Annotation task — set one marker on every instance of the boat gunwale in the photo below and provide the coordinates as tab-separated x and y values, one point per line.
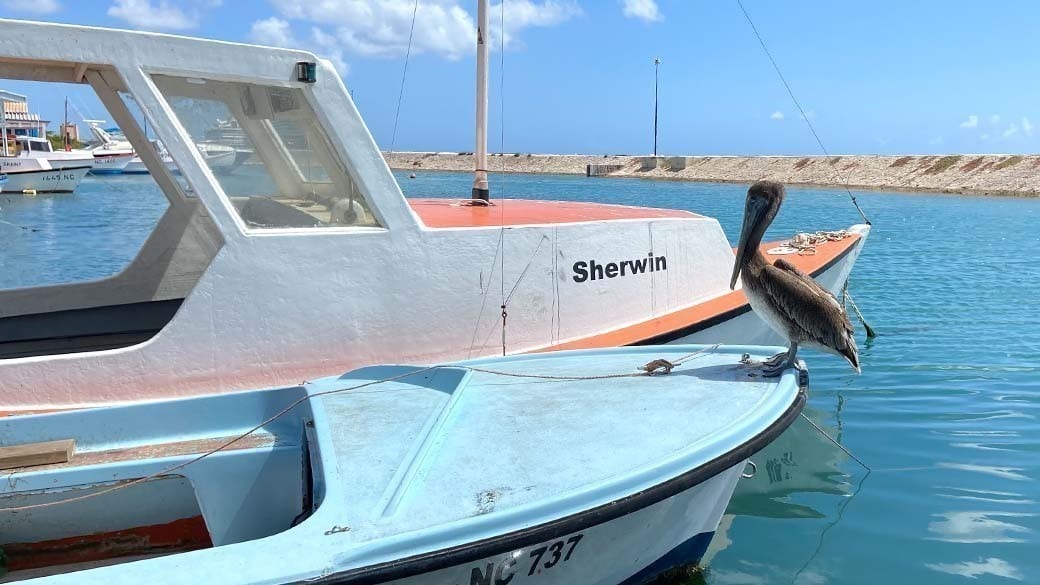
553	529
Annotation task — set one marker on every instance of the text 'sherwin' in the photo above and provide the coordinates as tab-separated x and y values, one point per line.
592	270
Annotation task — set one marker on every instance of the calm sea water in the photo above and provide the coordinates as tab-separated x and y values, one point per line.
945	411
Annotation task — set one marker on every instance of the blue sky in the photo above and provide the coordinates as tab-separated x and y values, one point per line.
887	77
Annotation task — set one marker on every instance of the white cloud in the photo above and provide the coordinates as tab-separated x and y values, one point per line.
328	47
994	119
521	14
442	27
162	14
274	32
1011	131
645	10
277	32
777	115
33	6
971	122
1027	126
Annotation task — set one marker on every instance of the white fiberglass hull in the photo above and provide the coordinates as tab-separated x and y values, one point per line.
630	550
45	181
111	163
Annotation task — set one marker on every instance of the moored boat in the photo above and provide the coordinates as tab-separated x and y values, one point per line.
309	260
111	155
110	162
550	466
32	149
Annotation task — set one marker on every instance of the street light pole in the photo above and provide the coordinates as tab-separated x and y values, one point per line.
657	64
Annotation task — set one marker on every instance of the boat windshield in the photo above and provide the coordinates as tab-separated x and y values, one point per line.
35	145
269	153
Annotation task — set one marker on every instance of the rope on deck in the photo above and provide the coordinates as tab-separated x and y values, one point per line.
642	371
805	244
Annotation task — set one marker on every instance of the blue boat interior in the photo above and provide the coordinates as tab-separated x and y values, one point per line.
254	487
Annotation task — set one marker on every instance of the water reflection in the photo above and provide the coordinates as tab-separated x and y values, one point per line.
976	527
996	471
801	460
975	569
793	472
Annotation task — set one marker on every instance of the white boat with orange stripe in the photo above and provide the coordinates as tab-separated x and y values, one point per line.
311	262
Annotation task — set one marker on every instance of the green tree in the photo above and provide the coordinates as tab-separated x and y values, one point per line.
58	142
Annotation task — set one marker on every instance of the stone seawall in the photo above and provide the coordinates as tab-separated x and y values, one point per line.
996	174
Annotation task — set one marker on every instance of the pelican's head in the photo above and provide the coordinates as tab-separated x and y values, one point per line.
763	201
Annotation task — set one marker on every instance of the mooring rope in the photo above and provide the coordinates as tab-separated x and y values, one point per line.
801	111
835	441
173	468
871	334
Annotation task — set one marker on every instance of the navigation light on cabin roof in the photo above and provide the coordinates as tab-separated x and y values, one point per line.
307	71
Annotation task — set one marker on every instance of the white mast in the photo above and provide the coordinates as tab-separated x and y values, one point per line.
480	181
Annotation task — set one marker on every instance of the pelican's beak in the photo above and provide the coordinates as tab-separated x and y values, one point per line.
751	233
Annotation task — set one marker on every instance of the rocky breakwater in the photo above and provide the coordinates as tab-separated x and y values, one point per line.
997	174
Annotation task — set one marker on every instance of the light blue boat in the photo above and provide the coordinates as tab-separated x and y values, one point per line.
556	468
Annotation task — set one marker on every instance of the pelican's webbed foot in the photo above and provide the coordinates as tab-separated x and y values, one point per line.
775	365
768	363
774	370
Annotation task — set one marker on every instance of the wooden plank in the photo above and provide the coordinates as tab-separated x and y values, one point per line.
32	454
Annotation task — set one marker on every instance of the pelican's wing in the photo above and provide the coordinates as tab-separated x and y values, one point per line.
808	280
811	307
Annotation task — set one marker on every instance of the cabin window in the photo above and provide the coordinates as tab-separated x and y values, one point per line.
269	153
93	256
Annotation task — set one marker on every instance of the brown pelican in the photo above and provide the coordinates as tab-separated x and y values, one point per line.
793	305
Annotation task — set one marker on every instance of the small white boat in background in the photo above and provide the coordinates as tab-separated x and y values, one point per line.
115	155
219	157
566	467
32	149
230	133
136	165
111	155
46	180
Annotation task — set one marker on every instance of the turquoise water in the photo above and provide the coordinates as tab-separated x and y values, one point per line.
945	411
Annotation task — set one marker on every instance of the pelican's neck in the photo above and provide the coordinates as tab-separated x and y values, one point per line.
756	260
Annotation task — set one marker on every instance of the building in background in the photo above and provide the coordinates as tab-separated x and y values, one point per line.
17	120
71	130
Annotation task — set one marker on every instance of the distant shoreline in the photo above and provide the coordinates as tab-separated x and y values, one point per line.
967	174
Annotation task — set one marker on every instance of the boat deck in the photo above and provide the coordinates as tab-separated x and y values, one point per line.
456	213
440	448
